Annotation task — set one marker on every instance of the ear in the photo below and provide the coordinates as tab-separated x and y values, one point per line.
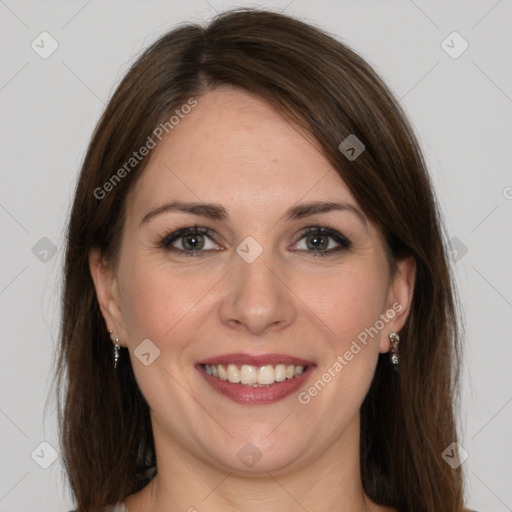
399	299
105	283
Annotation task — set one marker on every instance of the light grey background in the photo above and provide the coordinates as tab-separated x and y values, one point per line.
461	108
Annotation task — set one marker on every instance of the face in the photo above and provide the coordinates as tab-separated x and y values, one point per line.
242	245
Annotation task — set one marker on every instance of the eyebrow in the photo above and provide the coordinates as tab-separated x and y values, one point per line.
218	212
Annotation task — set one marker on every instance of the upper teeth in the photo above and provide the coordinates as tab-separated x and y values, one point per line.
254	375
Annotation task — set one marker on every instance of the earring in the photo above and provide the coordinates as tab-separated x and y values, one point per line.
394	340
116	351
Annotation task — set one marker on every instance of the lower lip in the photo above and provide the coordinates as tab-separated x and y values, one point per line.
242	394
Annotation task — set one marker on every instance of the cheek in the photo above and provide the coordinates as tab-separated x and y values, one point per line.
349	301
157	300
349	307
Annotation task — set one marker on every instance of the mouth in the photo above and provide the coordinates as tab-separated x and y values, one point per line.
255	376
258	383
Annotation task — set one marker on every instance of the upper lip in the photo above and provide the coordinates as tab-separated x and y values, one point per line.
256	360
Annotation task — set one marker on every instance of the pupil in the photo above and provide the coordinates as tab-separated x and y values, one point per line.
193	242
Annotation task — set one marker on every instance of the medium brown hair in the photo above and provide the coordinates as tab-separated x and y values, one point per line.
407	419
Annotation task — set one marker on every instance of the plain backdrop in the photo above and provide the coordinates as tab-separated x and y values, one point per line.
459	100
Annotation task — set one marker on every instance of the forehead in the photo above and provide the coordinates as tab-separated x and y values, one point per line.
235	148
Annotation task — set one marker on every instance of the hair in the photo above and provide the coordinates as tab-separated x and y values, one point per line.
321	85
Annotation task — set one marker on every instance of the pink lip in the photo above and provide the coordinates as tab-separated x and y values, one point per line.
248	395
256	360
253	395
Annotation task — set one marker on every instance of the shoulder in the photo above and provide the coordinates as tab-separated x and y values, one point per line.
121	507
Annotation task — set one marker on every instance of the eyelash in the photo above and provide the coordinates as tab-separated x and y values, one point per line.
342	241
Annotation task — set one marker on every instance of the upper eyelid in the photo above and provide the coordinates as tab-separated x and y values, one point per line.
330	232
180	233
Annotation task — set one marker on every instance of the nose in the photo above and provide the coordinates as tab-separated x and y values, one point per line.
257	297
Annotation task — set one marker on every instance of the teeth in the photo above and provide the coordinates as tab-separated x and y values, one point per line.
298	370
266	375
248	375
280	372
233	373
223	374
253	375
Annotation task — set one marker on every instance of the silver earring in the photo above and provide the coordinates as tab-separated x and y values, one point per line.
116	352
394	340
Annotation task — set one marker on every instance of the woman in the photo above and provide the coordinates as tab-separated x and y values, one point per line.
258	311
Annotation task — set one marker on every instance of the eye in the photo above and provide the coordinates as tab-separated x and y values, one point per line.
317	240
190	240
322	241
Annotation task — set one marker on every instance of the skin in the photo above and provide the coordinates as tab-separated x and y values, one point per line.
235	150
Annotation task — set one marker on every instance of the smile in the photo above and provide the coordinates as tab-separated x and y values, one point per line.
249	375
266	389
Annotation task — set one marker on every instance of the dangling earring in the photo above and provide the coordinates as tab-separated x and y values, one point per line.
394	340
116	351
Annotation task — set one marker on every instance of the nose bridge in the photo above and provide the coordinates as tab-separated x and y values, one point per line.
256	298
